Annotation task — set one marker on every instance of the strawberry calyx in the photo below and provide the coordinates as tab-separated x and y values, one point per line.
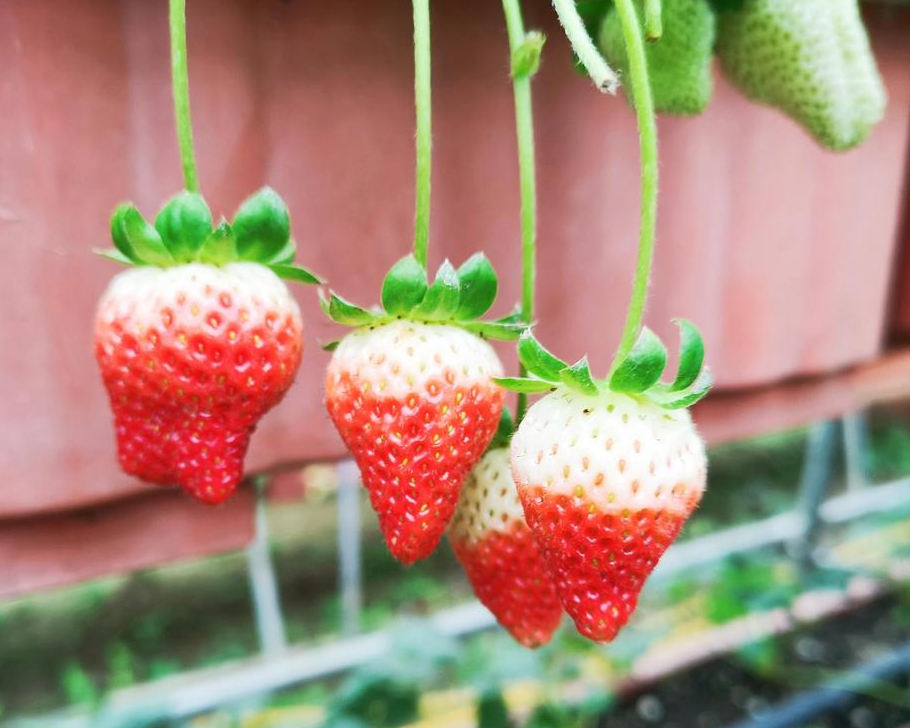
456	297
183	233
638	375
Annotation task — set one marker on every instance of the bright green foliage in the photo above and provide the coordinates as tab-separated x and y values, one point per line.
679	63
637	375
183	233
811	59
459	297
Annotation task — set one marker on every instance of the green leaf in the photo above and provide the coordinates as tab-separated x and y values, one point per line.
524	385
492	711
184	223
262	226
404	286
494	330
440	302
691	355
118	233
295	273
513	318
478	287
344	312
141	238
286	255
219	246
642	367
504	431
113	254
578	377
664	396
526	58
332	345
537	359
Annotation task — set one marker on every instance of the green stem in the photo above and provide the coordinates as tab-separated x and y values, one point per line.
524	129
647	131
182	93
654	26
604	77
424	145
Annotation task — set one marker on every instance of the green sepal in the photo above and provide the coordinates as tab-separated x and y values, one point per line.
404	286
136	239
526	58
478	287
440	302
344	312
295	273
666	397
184	223
262	226
513	318
494	329
537	360
113	254
578	377
691	355
286	255
331	346
504	431
642	368
219	246
524	385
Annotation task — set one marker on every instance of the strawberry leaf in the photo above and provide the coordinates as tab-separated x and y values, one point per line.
478	287
295	273
691	355
262	226
404	286
537	360
524	385
136	239
219	246
184	223
578	377
666	397
113	254
344	312
643	366
504	431
494	329
440	302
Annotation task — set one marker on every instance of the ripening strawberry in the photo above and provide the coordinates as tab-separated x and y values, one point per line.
608	472
195	344
410	391
499	554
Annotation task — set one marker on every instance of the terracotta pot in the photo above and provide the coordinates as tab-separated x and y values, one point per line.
781	252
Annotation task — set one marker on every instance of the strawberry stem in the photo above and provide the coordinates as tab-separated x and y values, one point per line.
604	77
424	143
524	130
181	87
647	132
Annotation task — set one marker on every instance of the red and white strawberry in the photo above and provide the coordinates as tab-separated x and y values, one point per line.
608	472
411	393
195	345
499	554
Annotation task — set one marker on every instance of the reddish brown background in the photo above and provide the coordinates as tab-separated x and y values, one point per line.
784	254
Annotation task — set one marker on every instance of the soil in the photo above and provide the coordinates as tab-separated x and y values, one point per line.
721	692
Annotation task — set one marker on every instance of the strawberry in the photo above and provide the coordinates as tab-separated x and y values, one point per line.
198	340
811	59
411	394
498	552
608	472
679	63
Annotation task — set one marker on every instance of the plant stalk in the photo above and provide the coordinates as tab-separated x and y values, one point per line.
604	77
181	88
424	143
647	132
524	130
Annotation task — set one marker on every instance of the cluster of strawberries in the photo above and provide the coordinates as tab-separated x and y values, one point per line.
201	338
